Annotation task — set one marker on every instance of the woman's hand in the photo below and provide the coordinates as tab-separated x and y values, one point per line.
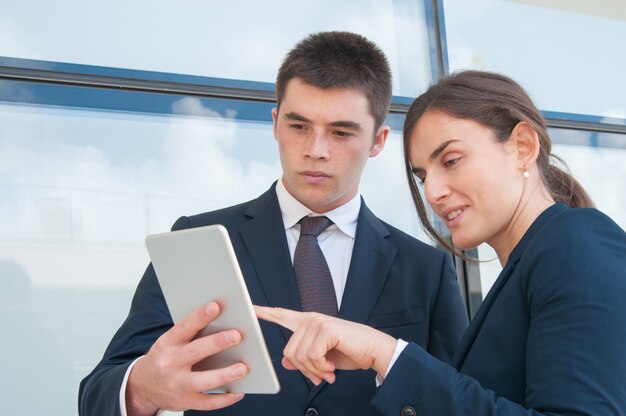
321	344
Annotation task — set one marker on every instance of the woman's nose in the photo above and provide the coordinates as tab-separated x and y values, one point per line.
436	189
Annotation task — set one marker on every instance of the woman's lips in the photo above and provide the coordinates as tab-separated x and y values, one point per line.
453	215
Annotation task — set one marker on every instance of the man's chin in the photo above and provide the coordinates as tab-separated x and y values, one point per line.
318	205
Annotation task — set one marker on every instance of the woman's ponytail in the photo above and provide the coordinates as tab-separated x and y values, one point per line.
564	188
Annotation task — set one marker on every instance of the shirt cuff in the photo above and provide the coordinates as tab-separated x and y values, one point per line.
400	346
123	390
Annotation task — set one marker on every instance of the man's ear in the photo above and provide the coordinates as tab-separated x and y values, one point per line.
525	141
275	121
379	140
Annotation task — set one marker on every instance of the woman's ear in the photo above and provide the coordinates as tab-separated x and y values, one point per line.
526	143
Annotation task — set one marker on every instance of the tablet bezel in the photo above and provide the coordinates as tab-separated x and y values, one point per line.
197	265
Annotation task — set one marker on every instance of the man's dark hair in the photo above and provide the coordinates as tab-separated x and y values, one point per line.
340	60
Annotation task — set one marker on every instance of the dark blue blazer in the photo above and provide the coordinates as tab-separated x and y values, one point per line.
395	283
550	337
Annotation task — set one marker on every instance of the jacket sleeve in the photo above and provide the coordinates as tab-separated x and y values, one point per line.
147	320
449	317
575	362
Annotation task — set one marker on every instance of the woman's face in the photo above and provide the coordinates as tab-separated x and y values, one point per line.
472	182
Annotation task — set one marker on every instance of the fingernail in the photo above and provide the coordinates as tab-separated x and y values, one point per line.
238	396
210	308
238	371
232	337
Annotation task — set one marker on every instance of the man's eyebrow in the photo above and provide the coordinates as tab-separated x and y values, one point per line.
346	124
296	117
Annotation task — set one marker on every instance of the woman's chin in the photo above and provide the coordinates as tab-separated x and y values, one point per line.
465	243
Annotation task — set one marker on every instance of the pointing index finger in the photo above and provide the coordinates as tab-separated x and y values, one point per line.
281	316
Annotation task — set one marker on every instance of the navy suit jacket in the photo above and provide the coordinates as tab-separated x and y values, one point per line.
549	338
395	283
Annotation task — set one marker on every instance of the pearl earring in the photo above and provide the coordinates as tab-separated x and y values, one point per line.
526	175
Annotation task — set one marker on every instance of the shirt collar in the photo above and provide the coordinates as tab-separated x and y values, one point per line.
344	217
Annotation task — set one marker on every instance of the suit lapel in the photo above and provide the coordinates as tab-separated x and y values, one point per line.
266	243
372	258
515	256
478	320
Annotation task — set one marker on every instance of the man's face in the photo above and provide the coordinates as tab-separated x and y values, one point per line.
324	139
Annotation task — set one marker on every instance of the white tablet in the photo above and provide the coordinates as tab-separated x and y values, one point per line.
197	265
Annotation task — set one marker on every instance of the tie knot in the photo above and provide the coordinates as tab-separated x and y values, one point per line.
314	225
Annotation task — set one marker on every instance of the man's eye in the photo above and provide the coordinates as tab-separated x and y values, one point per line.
296	126
342	133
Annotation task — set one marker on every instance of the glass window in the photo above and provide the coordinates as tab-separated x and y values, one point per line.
236	40
570	58
81	188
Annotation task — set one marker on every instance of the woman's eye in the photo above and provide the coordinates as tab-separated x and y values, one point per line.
451	162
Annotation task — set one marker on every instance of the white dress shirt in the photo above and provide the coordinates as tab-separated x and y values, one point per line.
336	241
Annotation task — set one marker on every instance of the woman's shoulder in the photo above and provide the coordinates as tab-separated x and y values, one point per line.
571	235
576	238
574	251
574	223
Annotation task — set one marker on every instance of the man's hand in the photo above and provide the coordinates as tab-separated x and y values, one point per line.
163	378
320	344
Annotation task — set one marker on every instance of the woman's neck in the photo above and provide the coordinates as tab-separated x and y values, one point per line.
533	202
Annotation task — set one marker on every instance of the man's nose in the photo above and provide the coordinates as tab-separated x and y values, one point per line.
317	145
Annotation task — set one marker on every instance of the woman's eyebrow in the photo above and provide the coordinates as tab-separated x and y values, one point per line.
417	170
440	149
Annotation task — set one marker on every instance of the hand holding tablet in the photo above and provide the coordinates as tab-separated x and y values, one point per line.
162	379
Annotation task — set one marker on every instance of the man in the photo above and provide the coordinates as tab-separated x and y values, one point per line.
333	92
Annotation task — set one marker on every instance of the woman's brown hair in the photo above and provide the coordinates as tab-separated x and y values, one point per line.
497	102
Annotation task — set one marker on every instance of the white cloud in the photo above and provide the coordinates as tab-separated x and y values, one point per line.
60	183
16	41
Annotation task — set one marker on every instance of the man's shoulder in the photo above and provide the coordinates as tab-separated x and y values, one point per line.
230	216
210	217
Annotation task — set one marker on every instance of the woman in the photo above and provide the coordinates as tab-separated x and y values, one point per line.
550	337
